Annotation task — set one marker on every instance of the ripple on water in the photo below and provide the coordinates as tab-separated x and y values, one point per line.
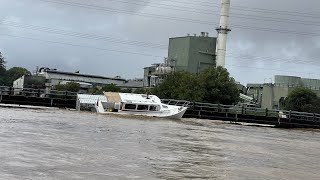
58	144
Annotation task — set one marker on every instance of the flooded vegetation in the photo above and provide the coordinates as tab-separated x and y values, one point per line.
58	144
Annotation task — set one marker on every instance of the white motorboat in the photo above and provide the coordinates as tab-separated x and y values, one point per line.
138	104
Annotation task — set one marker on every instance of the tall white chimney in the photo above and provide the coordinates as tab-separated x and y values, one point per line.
223	30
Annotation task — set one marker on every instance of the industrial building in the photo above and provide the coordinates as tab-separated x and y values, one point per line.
36	82
54	77
189	53
192	53
270	95
48	78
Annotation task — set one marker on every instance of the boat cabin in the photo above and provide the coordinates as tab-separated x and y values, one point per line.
139	107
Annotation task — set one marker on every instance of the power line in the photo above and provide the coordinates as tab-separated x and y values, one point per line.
166	6
88	6
82	46
143	44
272	60
280	20
138	43
135	53
274	30
209	11
209	23
253	9
243	16
269	58
269	69
84	35
295	13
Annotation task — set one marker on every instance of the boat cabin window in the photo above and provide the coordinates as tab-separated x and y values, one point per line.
153	108
165	107
130	106
142	107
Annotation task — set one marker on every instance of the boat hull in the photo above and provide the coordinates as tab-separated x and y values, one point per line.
175	113
163	110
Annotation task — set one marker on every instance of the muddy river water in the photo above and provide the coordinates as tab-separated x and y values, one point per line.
60	144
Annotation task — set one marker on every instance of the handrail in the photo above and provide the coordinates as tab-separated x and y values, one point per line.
5	90
197	106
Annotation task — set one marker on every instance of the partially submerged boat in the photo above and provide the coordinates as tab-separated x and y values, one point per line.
138	104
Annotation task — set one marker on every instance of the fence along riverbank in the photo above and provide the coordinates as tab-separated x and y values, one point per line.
65	99
38	97
285	119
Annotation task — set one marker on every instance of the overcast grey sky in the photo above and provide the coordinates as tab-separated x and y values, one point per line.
120	37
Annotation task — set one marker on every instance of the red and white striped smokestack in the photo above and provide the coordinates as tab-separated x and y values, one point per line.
223	30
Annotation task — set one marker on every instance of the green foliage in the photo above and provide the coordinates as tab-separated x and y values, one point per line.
180	85
2	65
71	86
212	85
219	87
8	76
12	75
111	88
2	70
141	91
126	90
107	88
303	100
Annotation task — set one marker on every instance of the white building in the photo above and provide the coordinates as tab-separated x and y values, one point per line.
54	77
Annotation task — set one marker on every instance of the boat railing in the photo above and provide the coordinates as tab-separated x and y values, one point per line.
174	102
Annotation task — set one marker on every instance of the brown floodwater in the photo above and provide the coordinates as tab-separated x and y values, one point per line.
59	144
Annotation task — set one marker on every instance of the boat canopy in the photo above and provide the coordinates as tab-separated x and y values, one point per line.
115	97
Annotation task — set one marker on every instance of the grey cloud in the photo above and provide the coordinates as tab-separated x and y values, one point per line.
243	44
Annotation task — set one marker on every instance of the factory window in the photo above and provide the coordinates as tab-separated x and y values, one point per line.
130	106
142	107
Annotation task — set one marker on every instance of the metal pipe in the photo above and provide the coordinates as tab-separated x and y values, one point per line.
222	33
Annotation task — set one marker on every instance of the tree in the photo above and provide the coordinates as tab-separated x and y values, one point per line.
73	87
70	86
212	85
218	86
15	73
128	90
2	70
302	99
111	88
140	91
107	88
180	85
2	65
